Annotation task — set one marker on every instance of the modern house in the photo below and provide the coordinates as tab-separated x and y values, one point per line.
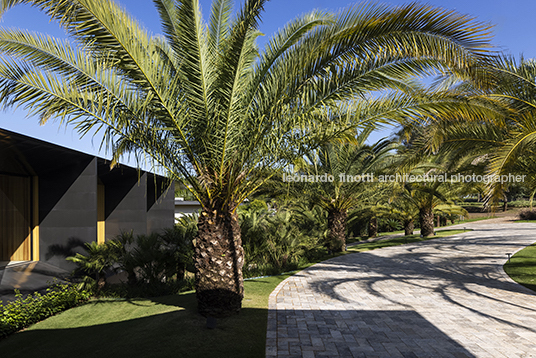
186	207
51	196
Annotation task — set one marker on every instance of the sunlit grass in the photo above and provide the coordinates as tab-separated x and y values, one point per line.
162	327
522	267
367	246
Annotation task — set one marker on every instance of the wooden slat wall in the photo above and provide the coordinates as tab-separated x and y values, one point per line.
15	237
101	224
35	218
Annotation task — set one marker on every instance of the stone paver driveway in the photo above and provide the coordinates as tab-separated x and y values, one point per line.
440	298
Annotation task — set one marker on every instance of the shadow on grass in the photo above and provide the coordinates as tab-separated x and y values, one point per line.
171	328
522	267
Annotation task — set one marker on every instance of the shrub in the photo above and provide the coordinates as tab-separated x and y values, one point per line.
160	262
24	312
527	214
97	264
256	205
275	242
155	264
389	225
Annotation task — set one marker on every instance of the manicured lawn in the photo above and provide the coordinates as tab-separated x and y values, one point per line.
473	220
458	222
401	240
161	327
522	267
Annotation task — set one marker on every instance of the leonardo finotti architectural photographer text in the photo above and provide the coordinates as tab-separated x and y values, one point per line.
403	178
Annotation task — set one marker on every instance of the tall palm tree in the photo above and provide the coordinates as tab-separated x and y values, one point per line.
351	167
431	188
505	142
208	106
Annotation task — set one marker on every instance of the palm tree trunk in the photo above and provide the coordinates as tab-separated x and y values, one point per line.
427	221
337	230
408	227
131	278
373	227
101	281
181	271
443	220
219	258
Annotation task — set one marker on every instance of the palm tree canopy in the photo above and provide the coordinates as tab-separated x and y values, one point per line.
505	140
352	166
203	100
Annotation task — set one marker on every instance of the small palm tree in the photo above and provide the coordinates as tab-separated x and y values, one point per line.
351	167
209	107
430	192
96	264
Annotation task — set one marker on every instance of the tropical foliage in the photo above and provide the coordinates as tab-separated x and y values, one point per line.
346	168
503	143
26	310
208	106
148	265
283	240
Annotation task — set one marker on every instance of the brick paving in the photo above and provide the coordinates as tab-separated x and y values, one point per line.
445	297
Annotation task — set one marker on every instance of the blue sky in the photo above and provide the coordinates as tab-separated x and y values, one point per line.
514	33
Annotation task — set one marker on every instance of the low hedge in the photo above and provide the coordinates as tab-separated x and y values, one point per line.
24	312
527	214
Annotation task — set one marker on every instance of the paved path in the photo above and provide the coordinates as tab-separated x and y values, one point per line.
27	277
440	298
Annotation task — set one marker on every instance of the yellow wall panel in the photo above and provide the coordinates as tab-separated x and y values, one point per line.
15	235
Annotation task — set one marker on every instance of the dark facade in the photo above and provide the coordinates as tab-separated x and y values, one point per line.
53	198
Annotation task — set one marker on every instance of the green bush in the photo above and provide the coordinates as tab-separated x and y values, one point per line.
527	214
276	242
389	225
519	204
256	205
24	312
97	264
160	262
155	264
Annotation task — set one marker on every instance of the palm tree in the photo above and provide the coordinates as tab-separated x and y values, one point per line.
429	190
208	106
351	167
98	262
504	142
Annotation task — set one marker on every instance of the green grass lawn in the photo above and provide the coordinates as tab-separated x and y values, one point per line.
522	267
387	233
472	220
367	246
161	327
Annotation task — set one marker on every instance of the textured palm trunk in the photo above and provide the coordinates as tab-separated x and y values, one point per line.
427	221
131	277
181	271
373	227
219	258
409	226
101	281
443	221
337	230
